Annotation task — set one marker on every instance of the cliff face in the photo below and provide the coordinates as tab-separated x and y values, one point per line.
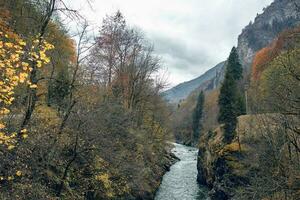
277	17
224	168
219	165
280	15
248	167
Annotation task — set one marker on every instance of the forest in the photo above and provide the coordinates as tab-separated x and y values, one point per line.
80	117
84	113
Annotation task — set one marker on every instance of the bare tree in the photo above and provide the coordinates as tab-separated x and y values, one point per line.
124	61
105	51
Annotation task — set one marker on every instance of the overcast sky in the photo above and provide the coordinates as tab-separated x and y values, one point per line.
191	36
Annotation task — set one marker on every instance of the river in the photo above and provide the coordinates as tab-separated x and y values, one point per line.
180	183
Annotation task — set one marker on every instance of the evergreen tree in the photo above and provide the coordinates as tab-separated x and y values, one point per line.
230	99
197	116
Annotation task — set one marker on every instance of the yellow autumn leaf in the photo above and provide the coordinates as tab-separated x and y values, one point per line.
33	86
10	147
24	136
19	173
24	130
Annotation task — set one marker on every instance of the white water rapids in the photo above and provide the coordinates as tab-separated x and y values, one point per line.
180	183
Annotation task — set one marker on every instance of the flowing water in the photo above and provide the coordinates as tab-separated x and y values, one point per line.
180	182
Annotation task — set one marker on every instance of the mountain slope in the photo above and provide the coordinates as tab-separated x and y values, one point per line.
183	90
280	15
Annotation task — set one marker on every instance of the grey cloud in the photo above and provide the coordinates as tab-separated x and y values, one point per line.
179	51
190	36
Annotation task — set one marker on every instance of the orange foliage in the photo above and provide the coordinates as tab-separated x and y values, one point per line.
267	54
64	45
261	59
4	17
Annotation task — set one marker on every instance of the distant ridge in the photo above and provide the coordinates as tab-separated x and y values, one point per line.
183	90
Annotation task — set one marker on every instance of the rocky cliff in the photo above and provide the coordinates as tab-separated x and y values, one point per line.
220	165
280	15
247	168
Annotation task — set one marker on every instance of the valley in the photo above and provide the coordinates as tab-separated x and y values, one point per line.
85	114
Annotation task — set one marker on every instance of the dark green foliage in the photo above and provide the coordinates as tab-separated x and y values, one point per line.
59	89
234	67
230	100
197	116
241	103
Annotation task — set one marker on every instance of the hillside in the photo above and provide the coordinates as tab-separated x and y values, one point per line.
71	127
183	90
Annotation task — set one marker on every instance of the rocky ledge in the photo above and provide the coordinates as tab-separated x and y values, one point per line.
159	170
225	167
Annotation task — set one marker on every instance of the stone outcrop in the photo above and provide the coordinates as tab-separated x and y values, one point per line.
167	161
224	167
228	169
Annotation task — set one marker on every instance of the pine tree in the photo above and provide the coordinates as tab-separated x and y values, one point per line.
230	99
197	116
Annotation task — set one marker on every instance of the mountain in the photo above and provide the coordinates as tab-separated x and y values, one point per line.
183	90
280	15
277	17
